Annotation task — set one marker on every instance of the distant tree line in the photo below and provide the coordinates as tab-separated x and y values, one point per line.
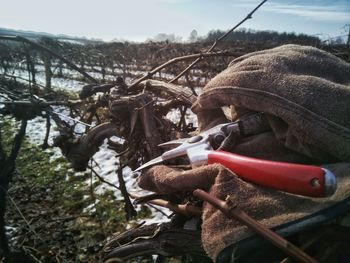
242	36
266	36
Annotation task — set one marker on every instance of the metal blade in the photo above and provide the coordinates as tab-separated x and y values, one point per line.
155	161
173	143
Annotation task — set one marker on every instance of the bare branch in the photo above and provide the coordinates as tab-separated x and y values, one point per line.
217	42
102	179
232	211
24	79
36	45
175	60
186	209
128	207
48	126
41	103
167	90
153	239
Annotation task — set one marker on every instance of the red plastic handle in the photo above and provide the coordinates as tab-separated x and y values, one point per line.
298	179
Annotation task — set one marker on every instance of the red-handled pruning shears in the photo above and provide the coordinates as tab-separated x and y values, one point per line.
298	179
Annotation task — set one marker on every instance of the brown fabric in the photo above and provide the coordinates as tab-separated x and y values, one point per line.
268	206
266	146
162	179
304	90
305	96
272	208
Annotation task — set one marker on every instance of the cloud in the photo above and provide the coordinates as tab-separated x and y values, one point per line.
336	13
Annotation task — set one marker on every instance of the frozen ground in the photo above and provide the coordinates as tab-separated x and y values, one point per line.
105	163
69	80
59	83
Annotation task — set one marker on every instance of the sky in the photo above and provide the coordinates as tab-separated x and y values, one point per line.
138	20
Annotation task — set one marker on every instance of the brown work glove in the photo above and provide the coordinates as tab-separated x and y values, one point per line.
268	206
304	92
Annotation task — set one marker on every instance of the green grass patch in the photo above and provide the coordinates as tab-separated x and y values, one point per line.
48	186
